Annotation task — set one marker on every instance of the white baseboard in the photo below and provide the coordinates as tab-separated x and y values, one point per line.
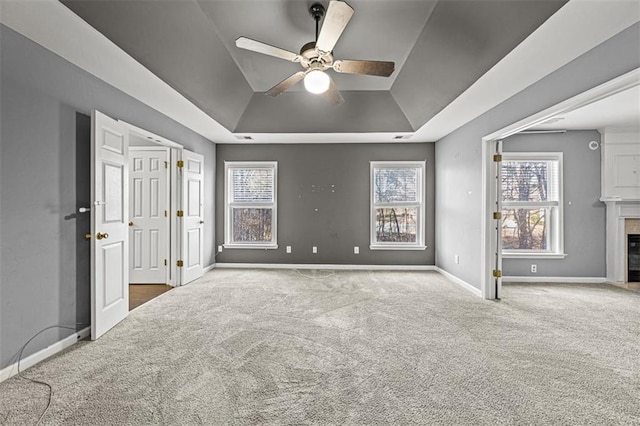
208	268
460	282
322	266
531	279
43	354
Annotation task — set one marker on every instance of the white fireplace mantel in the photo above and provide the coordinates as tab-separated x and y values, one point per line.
617	211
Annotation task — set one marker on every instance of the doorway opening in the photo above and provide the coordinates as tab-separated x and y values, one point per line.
491	255
153	196
173	220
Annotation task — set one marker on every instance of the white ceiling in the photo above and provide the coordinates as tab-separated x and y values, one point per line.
621	110
569	30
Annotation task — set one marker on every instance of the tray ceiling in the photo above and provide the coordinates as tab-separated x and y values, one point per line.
440	49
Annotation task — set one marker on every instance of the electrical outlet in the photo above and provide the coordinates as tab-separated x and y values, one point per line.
456	259
219	249
534	268
314	250
356	250
288	249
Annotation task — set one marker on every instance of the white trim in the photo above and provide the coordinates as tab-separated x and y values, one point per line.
532	255
616	85
43	354
395	247
251	246
324	266
465	285
208	268
152	137
572	280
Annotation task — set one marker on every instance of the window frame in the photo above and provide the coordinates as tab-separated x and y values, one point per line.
556	209
229	166
419	244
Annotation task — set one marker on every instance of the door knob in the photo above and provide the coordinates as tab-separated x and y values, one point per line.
130	223
87	236
100	235
202	221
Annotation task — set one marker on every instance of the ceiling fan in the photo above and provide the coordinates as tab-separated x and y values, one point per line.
316	57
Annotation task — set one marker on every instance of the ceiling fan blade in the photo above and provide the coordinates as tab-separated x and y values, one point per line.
379	68
285	84
266	49
332	94
338	15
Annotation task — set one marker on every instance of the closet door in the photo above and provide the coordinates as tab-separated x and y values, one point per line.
192	216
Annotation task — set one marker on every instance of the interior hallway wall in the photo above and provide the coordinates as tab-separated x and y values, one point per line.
44	178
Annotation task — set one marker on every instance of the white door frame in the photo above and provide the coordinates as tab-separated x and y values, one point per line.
489	189
175	154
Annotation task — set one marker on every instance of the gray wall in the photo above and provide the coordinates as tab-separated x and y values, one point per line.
44	178
459	166
311	213
584	214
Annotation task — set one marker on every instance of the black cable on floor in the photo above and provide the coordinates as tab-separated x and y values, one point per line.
40	382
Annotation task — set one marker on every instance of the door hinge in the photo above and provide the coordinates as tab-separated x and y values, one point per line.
497	158
166	164
180	263
165	262
180	164
497	273
166	213
180	213
497	215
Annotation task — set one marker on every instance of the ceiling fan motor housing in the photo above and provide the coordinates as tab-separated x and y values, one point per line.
310	55
317	11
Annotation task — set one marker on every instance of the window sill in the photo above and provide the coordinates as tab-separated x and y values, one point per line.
251	246
396	247
534	255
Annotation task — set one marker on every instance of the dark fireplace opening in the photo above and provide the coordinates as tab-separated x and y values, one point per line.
633	258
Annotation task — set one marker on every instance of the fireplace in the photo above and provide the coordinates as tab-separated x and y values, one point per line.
633	258
623	219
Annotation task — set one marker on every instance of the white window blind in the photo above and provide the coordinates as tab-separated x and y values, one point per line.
396	185
253	185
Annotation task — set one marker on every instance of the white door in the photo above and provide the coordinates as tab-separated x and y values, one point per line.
498	222
109	233
192	216
148	218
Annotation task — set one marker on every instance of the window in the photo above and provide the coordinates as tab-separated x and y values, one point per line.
532	205
397	205
250	201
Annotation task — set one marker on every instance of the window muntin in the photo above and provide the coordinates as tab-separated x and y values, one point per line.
397	205
251	207
531	187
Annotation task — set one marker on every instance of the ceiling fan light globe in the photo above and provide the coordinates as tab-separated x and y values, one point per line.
316	82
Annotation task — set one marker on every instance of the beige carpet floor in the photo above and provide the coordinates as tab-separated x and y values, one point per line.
247	347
